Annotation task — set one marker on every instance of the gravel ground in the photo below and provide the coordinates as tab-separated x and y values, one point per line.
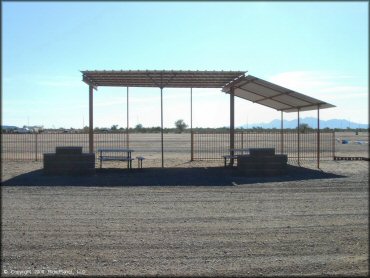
196	220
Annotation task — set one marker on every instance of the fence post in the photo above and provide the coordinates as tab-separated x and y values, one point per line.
36	146
282	134
191	146
242	139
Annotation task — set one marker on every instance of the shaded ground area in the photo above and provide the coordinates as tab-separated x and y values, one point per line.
196	176
306	223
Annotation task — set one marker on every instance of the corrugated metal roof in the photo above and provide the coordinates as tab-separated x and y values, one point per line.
160	78
274	96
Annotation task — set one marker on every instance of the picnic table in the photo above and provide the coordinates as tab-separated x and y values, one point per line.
252	151
124	154
234	156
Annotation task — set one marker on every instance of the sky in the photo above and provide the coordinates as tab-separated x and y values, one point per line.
315	48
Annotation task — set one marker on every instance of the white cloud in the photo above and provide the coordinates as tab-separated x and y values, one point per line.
301	80
55	81
311	82
59	81
336	88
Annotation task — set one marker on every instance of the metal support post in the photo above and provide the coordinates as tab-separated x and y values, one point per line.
162	126
91	121
127	123
298	131
318	136
191	126
232	125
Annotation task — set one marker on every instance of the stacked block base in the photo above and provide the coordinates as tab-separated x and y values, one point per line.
262	163
70	161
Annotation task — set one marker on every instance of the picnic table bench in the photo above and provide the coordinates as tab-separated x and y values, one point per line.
140	161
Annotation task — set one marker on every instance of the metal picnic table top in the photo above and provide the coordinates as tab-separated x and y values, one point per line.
115	150
126	150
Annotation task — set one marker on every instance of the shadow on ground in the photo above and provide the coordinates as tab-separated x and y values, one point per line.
212	176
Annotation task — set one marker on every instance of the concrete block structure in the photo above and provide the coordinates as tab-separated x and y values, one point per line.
69	161
262	162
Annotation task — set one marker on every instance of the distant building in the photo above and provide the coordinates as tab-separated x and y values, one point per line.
24	129
34	129
8	128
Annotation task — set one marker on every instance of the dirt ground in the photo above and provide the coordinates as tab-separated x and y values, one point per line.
192	219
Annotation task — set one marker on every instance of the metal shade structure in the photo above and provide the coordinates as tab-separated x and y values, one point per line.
274	96
235	83
154	78
160	78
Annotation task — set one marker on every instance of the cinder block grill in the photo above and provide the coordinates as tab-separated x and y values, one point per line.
262	162
69	161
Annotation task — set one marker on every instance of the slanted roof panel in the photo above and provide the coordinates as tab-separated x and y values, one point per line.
291	101
252	97
274	104
262	91
266	93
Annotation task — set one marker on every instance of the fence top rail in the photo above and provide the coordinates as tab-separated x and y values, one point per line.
194	132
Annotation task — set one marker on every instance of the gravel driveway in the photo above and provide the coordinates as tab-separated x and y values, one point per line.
299	225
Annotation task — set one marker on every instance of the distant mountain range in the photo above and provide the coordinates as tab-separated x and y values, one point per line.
312	122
